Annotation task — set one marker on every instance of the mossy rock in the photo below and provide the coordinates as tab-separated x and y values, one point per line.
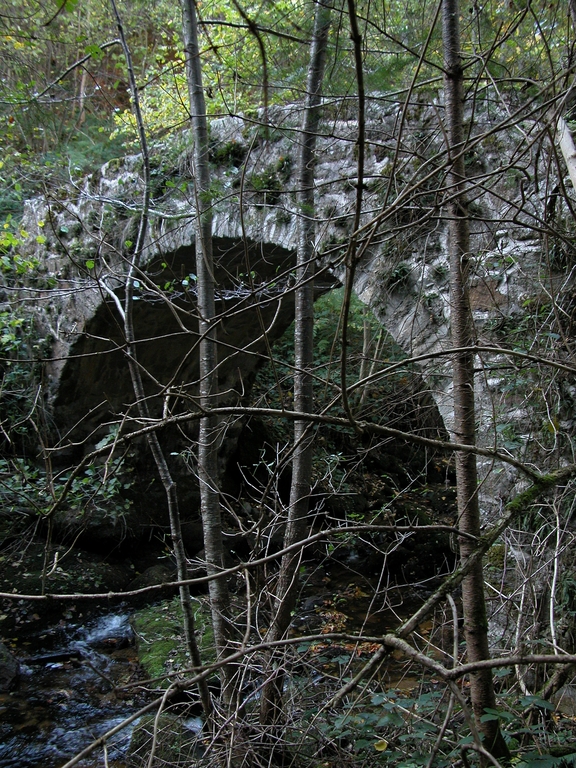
160	638
229	153
496	556
9	669
177	743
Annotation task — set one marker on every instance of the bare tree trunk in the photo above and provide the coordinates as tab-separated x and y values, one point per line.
287	586
474	605
563	132
572	4
351	258
208	439
139	393
566	143
82	98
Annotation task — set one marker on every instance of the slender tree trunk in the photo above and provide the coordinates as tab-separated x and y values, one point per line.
208	440
566	143
140	395
572	5
351	258
474	605
287	586
563	132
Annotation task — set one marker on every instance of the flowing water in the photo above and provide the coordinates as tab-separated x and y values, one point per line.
66	696
70	690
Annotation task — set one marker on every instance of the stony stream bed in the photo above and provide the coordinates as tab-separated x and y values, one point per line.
76	663
70	691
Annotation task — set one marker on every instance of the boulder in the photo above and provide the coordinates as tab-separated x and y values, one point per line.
9	669
565	700
177	741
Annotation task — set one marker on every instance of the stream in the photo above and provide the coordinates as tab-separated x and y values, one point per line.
73	671
66	697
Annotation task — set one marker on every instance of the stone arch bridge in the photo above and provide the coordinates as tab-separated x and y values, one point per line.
402	274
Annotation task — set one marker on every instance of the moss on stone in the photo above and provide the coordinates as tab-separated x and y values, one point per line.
160	636
176	745
496	556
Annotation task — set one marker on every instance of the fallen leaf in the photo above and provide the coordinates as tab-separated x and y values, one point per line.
381	745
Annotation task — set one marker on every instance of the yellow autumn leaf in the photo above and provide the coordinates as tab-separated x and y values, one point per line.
381	745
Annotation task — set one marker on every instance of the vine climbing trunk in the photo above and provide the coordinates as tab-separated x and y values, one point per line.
209	434
287	584
473	600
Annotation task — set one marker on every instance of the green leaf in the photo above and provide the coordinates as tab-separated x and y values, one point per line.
90	264
303	648
502	672
535	760
536	701
362	743
390	718
94	51
496	714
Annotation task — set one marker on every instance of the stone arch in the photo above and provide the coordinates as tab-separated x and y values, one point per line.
254	279
253	296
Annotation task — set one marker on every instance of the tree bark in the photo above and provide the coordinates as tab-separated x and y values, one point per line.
572	5
209	436
140	395
474	605
566	143
351	258
287	585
